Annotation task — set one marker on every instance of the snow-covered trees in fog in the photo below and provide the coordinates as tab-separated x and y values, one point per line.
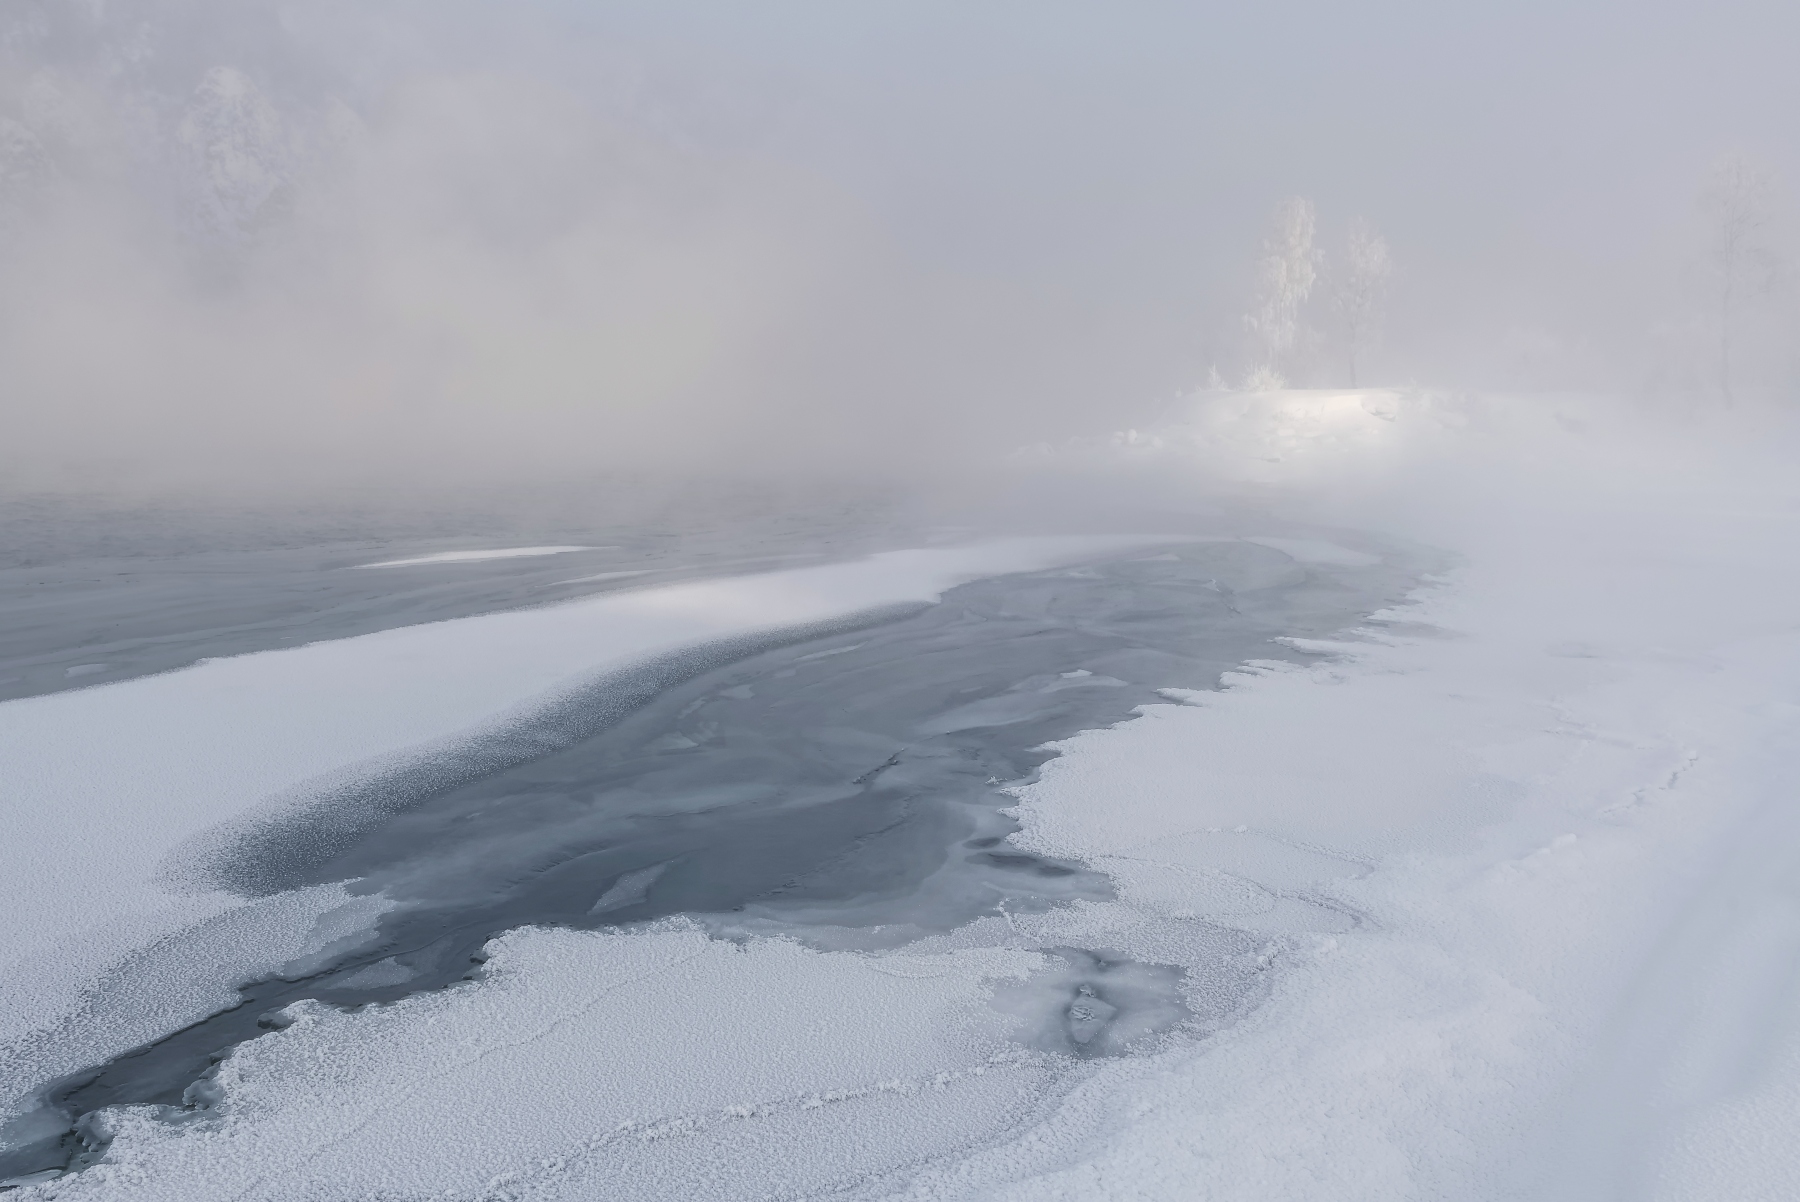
1286	273
1288	270
236	152
1739	205
1359	286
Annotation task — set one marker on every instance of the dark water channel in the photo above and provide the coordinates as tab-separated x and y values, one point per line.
841	784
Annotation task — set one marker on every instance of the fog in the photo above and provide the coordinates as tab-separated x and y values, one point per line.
249	246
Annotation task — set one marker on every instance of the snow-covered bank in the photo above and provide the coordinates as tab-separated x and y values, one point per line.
1552	804
99	785
1512	868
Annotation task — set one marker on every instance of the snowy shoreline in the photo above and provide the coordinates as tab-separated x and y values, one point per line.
163	760
1512	864
1575	961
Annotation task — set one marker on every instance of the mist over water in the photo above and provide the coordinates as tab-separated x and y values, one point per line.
255	247
524	671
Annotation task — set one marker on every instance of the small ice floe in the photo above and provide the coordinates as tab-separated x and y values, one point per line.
474	556
630	889
829	653
381	974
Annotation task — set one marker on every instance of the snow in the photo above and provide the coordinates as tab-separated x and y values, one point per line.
98	787
476	556
571	1070
1557	813
1516	863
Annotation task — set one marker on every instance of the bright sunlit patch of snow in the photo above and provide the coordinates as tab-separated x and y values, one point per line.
1284	436
476	556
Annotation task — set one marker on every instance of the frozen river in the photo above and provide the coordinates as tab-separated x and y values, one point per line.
881	861
839	780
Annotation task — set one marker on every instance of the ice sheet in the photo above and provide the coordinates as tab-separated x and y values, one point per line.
97	786
1513	870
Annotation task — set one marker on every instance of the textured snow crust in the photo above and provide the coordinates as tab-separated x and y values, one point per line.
1570	966
659	1063
1514	869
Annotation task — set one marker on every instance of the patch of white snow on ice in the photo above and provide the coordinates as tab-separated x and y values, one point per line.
477	556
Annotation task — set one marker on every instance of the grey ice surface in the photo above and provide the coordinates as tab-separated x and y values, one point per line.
841	784
93	593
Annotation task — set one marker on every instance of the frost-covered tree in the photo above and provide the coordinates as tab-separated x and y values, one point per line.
1285	275
1739	205
1359	286
237	151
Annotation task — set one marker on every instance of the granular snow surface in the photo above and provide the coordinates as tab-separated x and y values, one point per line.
1512	866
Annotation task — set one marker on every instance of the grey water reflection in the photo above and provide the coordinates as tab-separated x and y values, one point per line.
840	784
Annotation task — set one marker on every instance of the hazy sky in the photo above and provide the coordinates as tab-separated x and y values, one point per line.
248	239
